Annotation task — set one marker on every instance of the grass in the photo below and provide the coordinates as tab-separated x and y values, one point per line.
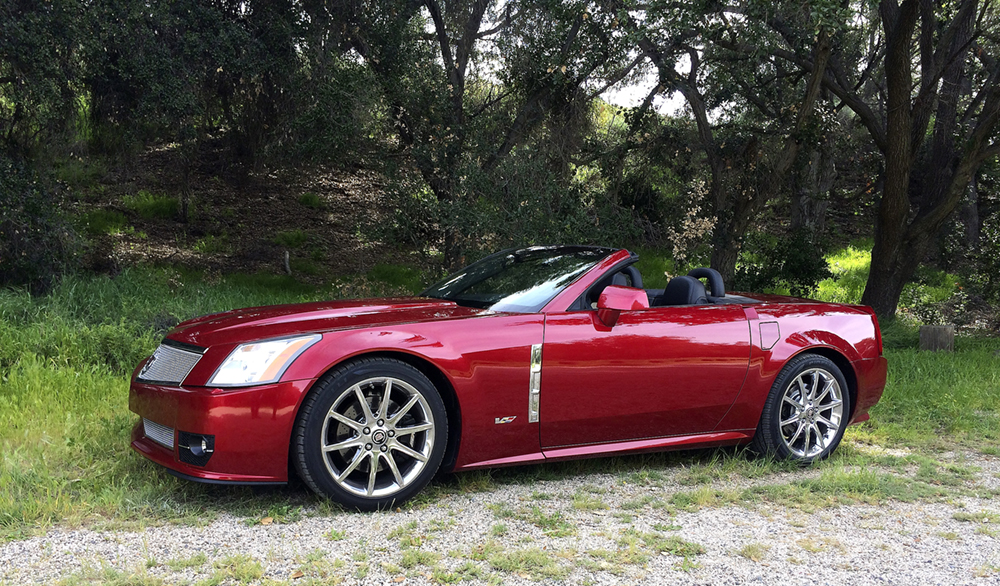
99	222
754	552
152	206
296	238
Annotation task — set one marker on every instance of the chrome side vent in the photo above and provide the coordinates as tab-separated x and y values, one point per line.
169	364
160	434
534	383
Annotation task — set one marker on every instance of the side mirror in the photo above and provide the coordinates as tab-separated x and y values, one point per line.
615	299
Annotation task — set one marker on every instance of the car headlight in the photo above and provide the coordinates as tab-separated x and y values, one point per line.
260	362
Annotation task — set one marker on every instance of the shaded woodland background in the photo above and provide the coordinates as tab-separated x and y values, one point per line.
806	127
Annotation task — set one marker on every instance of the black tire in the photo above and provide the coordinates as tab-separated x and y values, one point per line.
806	412
370	436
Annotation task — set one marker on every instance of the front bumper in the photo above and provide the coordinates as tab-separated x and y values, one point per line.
252	428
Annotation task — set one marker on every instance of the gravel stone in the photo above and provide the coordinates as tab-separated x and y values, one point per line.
890	543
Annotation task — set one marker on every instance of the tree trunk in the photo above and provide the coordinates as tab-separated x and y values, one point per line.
885	279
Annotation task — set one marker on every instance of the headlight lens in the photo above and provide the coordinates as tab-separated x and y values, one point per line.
260	362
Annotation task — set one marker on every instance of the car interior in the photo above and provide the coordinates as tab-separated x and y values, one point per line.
681	290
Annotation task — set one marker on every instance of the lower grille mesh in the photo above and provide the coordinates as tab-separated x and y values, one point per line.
160	434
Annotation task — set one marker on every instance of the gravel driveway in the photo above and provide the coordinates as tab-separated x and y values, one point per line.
585	529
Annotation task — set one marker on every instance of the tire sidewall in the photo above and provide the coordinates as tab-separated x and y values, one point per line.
770	426
327	391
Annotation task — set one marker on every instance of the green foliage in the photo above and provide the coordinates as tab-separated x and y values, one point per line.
212	244
399	276
791	264
152	205
39	73
291	238
36	244
980	274
850	273
311	200
100	221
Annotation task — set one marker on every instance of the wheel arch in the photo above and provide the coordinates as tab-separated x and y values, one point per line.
428	369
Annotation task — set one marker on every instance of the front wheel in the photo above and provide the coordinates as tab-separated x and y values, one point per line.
371	434
806	411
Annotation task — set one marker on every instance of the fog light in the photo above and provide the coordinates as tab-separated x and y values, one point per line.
199	450
195	448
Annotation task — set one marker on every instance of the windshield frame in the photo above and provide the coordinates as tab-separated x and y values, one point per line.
532	299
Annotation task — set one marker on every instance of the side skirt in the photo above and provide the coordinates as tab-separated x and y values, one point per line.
702	440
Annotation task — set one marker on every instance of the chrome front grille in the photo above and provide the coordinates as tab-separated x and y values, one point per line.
169	364
160	434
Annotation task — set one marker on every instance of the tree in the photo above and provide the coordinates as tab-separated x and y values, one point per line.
924	79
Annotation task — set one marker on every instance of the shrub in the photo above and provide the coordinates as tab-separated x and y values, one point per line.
36	243
151	206
311	200
100	221
291	238
793	264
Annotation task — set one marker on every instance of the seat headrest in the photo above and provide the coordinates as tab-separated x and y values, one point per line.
620	280
684	291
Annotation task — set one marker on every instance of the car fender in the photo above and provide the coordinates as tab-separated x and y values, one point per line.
800	328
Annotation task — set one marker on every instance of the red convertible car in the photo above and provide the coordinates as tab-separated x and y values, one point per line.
529	355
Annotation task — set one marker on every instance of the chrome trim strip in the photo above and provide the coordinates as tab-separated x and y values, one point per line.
534	383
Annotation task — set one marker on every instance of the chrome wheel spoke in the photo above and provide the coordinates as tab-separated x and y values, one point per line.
395	470
358	457
829	424
826	391
799	406
369	417
408	451
373	456
356	426
795	436
409	405
807	441
795	417
383	407
831	405
820	438
354	442
414	429
815	386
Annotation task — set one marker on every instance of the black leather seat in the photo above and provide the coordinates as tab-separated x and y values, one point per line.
684	291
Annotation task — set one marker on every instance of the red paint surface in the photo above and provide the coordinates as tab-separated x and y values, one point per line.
660	378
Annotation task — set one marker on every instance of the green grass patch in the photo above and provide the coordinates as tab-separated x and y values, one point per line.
99	222
212	244
311	200
536	563
80	173
399	276
291	238
152	206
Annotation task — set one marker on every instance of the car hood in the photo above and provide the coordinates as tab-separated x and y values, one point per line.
274	321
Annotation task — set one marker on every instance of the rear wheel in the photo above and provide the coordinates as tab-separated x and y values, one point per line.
371	434
806	411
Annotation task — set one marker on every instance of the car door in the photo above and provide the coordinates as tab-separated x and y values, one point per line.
658	372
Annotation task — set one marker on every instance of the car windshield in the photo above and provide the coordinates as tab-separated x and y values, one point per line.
520	281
